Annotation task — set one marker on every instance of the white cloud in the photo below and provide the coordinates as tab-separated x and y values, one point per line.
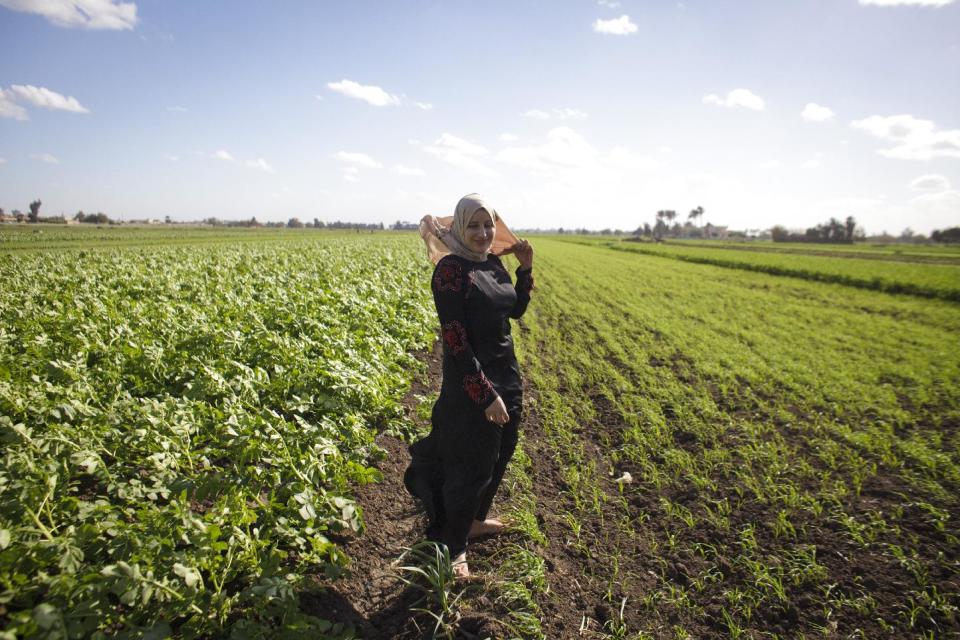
459	145
172	158
618	26
358	160
737	98
814	162
369	93
623	158
769	164
45	157
935	210
460	153
508	137
931	182
565	113
10	109
85	14
261	164
226	156
564	148
177	109
3	161
912	138
567	158
43	97
538	114
813	112
409	171
610	4
426	106
906	3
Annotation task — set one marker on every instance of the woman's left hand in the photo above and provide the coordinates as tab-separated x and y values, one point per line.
524	253
497	412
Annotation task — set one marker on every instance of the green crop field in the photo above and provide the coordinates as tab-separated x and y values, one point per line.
192	422
904	252
792	447
884	272
181	427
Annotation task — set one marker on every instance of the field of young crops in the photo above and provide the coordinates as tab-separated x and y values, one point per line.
187	416
892	273
744	455
867	251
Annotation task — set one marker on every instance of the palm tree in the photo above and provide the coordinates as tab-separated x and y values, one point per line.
661	226
695	213
850	226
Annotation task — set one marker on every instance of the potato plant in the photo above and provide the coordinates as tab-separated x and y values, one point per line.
182	425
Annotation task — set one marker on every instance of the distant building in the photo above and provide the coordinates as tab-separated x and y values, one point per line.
714	232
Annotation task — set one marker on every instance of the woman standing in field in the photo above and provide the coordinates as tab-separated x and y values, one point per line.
456	470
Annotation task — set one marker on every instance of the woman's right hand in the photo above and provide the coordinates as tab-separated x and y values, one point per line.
497	412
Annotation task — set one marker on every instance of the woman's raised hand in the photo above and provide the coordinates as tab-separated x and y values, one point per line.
497	412
524	253
432	225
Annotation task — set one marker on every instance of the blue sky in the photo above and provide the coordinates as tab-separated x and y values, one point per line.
561	113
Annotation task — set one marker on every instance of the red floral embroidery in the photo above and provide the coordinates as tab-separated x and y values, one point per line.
448	277
454	336
477	387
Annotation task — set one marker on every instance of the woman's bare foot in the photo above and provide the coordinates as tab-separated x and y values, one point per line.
488	527
460	568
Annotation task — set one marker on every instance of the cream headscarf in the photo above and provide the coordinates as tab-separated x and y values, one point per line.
445	235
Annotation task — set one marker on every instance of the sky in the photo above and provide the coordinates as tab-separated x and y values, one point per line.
561	113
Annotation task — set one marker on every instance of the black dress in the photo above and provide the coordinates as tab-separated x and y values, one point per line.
457	468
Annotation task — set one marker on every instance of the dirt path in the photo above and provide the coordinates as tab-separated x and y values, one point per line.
371	598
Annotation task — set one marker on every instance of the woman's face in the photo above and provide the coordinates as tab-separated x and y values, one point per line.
480	231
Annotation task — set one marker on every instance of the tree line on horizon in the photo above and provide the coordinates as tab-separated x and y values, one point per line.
831	232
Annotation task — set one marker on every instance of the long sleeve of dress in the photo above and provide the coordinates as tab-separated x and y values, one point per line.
449	288
523	287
